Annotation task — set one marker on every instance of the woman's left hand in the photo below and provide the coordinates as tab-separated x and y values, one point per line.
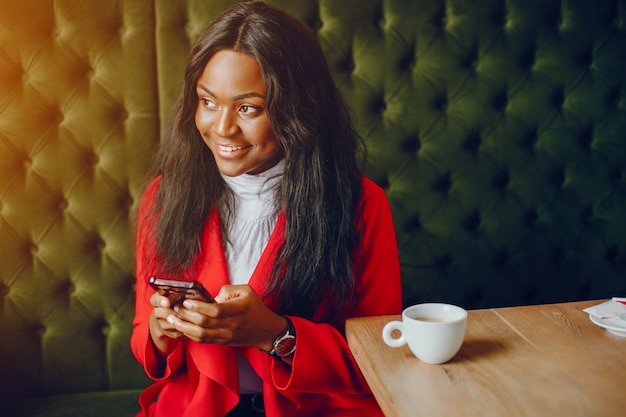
238	318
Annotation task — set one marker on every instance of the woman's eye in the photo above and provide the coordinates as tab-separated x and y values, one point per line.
208	103
249	110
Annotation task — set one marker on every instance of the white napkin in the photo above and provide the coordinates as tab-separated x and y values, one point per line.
609	309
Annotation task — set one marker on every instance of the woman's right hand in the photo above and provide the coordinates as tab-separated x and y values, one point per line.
164	335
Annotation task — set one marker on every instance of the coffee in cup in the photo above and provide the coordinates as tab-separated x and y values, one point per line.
433	331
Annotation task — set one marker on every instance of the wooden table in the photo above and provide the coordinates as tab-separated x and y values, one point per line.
545	360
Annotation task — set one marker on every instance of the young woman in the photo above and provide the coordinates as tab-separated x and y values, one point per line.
257	194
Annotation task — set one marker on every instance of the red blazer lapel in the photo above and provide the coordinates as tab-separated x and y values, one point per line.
268	257
212	267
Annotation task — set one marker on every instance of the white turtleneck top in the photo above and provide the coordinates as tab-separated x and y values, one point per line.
249	231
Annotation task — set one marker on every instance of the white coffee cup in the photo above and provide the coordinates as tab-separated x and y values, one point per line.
433	331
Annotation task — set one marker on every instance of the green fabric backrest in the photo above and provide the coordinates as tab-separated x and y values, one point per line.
496	127
78	122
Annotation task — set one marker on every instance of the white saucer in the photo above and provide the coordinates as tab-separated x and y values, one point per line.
614	325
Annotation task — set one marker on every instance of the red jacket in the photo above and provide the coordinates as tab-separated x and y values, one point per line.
323	380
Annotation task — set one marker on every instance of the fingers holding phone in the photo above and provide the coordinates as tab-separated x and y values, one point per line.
169	295
239	319
163	333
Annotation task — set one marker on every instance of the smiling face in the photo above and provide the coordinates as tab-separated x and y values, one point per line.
231	115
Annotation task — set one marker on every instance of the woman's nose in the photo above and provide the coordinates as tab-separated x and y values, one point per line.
226	123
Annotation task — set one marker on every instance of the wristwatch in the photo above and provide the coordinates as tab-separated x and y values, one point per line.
285	344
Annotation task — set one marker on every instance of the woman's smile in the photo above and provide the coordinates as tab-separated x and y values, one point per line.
230	148
230	152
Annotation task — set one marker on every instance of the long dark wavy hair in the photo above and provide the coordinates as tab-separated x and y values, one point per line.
321	187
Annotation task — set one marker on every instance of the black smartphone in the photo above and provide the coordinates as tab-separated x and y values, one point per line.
177	291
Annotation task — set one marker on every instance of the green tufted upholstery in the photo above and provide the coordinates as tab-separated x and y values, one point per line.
497	128
78	121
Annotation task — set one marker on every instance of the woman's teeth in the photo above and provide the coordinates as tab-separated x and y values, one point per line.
230	148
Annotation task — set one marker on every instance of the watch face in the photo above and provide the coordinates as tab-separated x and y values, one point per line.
285	345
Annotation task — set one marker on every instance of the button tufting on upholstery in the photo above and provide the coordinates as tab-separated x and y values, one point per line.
65	290
119	114
125	201
442	184
33	248
412	226
440	103
378	106
611	255
470	60
500	258
586	217
346	64
376	15
382	182
557	97
62	204
4	290
529	140
24	75
27	163
585	57
498	15
471	223
554	16
472	141
313	21
104	328
501	180
406	61
616	177
557	178
443	261
613	97
499	100
411	145
585	138
530	218
95	243
558	256
527	58
40	330
439	19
